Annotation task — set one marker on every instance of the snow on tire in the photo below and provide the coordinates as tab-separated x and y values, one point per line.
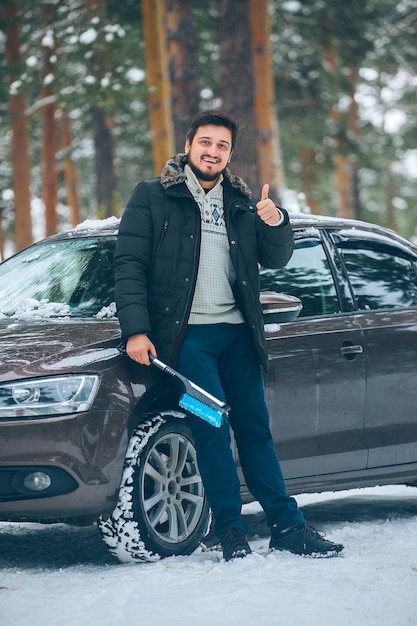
162	509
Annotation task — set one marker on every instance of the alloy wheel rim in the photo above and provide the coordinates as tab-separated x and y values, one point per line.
173	493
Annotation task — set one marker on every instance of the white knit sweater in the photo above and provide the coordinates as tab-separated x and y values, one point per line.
213	301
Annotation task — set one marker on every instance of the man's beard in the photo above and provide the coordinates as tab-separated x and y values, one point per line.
202	175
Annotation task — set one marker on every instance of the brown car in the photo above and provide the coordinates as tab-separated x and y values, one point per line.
87	435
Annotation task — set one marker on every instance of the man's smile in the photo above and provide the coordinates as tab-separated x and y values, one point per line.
210	160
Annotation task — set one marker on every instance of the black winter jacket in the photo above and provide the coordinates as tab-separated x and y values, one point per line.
157	256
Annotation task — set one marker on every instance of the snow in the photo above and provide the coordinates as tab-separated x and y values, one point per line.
272	328
62	575
48	39
135	75
92	224
410	162
31	308
88	36
107	311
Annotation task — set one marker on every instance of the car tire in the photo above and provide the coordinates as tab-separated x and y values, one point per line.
162	509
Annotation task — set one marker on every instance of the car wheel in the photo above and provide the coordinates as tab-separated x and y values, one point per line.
162	509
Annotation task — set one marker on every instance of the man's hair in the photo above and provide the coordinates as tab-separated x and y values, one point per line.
214	118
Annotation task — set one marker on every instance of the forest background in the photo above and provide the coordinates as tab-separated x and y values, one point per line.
95	95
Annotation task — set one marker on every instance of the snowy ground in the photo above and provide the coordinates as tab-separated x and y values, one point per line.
61	576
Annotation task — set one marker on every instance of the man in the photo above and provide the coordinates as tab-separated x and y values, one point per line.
187	289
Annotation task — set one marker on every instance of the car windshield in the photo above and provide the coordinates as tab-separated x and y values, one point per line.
72	277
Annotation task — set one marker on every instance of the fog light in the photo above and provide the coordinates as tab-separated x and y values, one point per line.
37	481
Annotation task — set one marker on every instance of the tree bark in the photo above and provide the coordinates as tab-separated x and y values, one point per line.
267	135
20	157
310	178
2	242
70	171
106	180
183	64
102	123
345	166
236	86
390	194
154	27
49	133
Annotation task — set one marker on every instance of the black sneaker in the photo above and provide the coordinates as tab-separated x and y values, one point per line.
234	544
301	539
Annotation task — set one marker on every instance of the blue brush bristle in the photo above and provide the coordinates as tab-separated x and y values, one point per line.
196	407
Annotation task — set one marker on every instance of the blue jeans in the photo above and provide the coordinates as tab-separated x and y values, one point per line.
221	358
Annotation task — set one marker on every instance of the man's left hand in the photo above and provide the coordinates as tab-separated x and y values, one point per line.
267	210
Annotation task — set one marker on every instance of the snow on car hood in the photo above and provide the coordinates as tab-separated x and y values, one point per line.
40	347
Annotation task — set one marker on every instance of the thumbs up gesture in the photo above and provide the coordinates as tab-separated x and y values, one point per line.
267	210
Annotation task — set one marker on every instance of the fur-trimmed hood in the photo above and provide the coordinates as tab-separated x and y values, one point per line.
173	174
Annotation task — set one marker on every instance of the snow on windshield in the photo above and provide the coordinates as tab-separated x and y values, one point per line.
60	278
107	311
32	308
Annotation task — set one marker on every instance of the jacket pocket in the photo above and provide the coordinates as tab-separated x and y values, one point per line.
161	237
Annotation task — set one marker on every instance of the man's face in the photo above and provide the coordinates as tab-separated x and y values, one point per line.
209	153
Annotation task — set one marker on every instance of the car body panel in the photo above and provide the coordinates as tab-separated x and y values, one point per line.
391	349
314	394
341	388
34	348
89	447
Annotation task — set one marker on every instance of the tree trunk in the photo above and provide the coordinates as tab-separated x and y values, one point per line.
70	172
105	176
1	236
236	86
153	12
183	64
20	136
267	136
346	162
310	178
102	122
49	133
345	166
390	195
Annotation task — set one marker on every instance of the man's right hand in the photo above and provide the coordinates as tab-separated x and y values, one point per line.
138	348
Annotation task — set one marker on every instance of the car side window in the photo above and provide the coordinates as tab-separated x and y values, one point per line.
307	276
382	275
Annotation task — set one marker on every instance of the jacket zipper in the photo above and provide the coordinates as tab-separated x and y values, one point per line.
162	237
184	321
228	216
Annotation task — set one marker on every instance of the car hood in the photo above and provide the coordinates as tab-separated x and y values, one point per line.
42	348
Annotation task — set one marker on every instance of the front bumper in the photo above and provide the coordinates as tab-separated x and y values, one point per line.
83	455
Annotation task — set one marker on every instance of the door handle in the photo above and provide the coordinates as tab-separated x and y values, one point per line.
349	350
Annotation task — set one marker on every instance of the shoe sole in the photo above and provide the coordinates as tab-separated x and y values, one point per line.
314	555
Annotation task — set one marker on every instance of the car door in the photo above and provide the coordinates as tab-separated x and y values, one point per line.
383	274
315	388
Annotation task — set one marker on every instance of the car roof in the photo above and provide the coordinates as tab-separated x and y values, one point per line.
90	228
301	220
109	226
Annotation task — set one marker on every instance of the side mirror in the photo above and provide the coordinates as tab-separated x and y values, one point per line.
279	307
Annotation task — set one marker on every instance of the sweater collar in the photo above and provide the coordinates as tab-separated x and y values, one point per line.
173	174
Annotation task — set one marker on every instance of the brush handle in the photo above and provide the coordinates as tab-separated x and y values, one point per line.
169	370
163	366
186	382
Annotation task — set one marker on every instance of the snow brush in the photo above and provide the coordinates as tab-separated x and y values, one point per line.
195	399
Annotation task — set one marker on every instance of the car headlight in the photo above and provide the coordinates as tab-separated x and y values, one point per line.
41	397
